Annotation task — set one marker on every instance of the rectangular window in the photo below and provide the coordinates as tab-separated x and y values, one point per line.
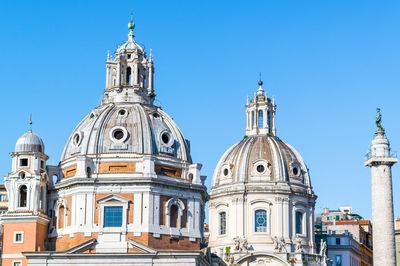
23	162
41	164
17	263
18	237
337	241
337	217
260	218
3	197
338	260
113	216
222	223
299	223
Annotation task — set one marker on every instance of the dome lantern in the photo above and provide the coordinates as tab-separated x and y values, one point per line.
129	77
260	113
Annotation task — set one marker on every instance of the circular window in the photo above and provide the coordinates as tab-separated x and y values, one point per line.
295	171
122	112
261	220
22	175
226	172
260	168
165	137
118	134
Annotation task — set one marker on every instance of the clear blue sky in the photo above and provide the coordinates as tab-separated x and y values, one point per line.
328	63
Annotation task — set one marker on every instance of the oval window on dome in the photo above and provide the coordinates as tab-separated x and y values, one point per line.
226	172
165	138
77	138
295	171
260	168
122	112
118	134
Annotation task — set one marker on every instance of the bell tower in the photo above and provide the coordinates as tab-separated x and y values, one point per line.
260	112
25	223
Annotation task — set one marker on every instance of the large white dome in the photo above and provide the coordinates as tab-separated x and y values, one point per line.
260	159
127	128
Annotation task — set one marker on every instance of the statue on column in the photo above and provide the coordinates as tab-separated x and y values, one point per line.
379	120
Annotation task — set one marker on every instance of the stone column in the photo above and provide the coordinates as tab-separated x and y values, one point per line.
380	160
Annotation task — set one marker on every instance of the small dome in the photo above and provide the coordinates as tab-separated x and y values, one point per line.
261	159
129	45
29	142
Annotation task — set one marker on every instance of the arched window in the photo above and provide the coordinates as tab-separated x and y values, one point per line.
61	212
222	223
269	121
252	119
260	119
55	179
260	219
22	196
173	216
299	222
128	76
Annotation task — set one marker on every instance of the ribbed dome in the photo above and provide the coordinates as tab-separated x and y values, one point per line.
29	142
261	159
135	128
129	45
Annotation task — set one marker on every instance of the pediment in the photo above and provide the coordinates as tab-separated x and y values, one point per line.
113	199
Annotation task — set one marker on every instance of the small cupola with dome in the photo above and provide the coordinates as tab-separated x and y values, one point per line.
260	113
27	182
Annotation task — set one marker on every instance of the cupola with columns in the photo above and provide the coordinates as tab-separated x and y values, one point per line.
25	223
260	114
130	73
27	182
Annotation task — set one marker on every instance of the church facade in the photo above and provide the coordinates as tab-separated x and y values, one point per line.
126	183
126	191
261	201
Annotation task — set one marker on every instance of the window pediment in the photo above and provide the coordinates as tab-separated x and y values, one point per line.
113	199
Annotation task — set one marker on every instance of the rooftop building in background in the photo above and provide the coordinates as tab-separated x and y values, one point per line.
349	240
